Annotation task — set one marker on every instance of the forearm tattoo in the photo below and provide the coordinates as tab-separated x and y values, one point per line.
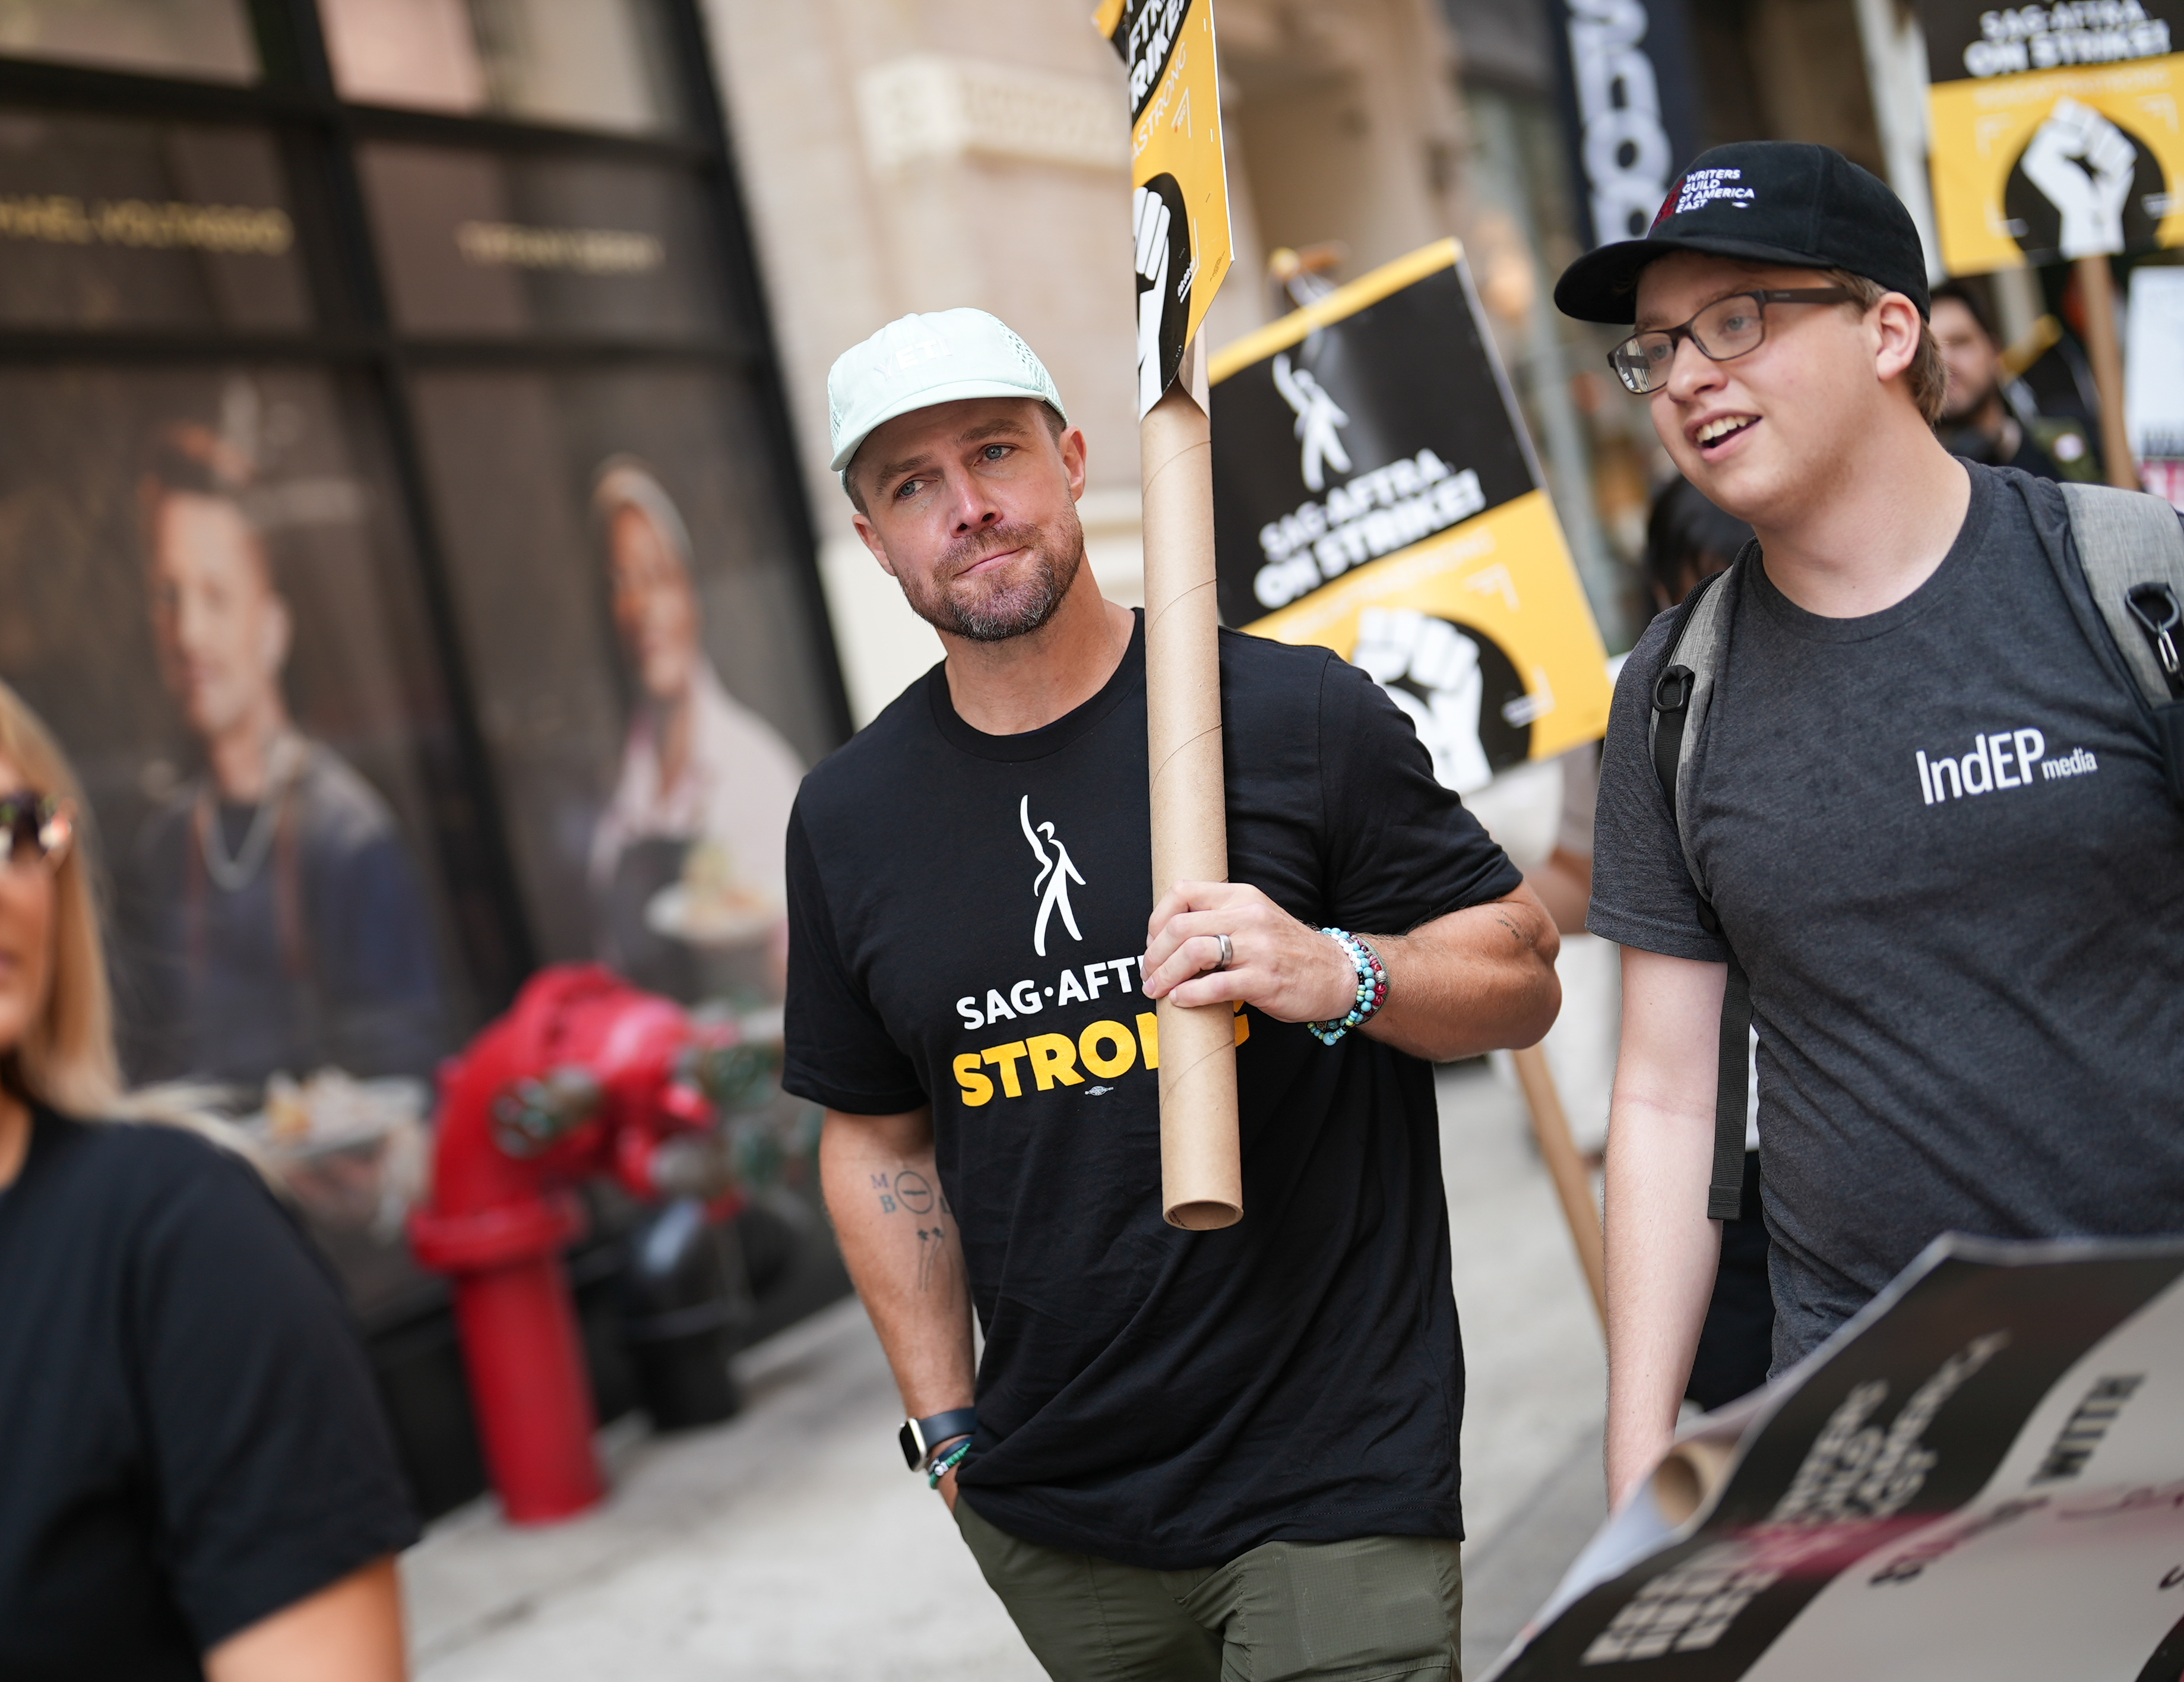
1526	938
910	1192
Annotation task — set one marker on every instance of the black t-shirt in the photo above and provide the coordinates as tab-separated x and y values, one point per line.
1973	445
967	913
1939	840
189	1439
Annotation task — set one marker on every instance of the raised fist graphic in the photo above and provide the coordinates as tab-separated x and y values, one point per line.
2084	163
1152	217
1431	669
1163	242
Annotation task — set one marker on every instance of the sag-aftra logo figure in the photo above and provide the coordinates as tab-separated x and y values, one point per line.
1053	880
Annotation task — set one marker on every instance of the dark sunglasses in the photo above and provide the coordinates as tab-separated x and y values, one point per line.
34	828
1726	329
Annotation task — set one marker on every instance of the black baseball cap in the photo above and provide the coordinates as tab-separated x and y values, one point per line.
1767	201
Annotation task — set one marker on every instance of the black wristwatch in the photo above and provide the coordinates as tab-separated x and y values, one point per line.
918	1436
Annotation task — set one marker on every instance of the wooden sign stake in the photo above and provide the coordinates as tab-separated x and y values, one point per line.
2105	350
1201	1169
1573	1184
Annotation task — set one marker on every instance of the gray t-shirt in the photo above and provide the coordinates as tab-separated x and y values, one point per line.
1939	839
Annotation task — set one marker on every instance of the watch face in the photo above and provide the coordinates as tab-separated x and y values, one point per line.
913	1449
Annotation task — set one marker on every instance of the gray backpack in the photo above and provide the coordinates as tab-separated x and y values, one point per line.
2130	551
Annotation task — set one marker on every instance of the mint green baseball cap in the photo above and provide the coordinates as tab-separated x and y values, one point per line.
920	360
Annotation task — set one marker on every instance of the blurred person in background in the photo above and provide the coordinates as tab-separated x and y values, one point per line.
702	797
1975	421
195	1478
1687	541
271	917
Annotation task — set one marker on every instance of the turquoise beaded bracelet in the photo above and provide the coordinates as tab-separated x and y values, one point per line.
1371	987
947	1463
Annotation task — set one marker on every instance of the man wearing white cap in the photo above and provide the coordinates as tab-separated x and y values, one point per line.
1182	1454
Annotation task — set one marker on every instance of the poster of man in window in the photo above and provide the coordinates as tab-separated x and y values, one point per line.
232	640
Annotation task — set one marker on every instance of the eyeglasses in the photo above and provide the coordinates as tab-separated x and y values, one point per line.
34	828
1726	329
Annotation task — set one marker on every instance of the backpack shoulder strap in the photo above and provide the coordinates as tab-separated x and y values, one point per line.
2131	552
1683	693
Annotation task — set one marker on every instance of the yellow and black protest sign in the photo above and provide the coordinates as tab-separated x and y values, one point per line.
2055	129
1179	210
1374	492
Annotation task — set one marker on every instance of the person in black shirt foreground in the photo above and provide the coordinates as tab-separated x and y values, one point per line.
1928	808
1191	1454
195	1480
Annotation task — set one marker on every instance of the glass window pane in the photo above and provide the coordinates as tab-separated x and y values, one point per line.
111	223
210	601
419	54
633	614
603	65
208	38
477	243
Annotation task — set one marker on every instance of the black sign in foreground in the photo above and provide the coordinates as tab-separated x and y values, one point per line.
1981	1476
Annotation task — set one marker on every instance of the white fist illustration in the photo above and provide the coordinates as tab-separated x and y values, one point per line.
1150	214
2084	163
1402	642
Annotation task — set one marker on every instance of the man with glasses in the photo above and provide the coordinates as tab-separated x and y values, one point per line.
1962	964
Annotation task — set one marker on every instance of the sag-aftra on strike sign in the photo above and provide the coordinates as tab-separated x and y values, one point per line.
1180	207
2056	132
1374	492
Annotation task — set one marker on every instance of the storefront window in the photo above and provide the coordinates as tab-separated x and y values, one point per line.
483	242
420	578
208	38
106	223
631	616
211	606
603	65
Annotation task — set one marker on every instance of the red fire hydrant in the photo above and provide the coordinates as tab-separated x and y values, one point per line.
584	1076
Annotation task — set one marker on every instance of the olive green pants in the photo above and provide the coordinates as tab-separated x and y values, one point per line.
1377	1609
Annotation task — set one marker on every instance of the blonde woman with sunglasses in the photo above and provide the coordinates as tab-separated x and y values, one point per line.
195	1479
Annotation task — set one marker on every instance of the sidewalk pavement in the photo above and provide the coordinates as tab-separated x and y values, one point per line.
790	1545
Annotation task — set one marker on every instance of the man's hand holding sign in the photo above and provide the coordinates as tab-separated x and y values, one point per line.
1463	984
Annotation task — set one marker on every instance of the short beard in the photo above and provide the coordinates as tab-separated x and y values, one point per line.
1956	414
995	612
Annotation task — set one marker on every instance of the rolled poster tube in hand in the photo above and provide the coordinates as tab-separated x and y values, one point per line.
1201	1169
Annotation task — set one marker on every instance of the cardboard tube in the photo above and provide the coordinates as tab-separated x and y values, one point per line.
1201	1170
2105	350
1688	1476
1573	1184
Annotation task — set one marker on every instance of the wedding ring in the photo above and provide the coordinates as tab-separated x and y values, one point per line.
1228	954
